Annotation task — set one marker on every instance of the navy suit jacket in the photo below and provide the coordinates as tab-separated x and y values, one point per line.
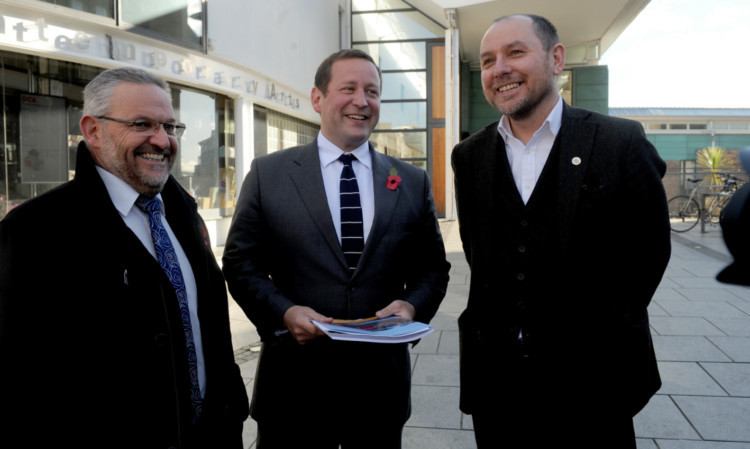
282	250
613	238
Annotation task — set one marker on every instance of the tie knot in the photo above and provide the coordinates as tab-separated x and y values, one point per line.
347	158
148	204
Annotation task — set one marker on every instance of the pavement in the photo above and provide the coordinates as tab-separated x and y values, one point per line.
701	331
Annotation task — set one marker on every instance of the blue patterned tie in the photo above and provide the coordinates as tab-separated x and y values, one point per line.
167	257
352	234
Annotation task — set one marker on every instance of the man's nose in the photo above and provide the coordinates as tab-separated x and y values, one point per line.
160	138
360	99
501	67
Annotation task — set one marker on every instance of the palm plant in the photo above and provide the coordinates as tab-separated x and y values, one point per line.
716	160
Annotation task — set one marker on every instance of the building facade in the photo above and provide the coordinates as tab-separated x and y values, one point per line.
680	133
241	73
234	103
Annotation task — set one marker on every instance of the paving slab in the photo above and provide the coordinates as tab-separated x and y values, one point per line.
717	418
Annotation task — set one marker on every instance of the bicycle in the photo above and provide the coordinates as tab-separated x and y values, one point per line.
685	211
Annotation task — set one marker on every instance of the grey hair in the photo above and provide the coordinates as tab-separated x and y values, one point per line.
97	92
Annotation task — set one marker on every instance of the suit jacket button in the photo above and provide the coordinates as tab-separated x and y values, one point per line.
520	276
521	249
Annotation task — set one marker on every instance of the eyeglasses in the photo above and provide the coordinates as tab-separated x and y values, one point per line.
150	127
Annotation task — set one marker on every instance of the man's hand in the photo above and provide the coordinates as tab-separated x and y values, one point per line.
397	307
298	319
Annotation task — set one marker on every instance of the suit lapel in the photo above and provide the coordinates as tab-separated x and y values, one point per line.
385	202
576	143
308	180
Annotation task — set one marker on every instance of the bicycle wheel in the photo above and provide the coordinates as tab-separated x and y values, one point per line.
718	210
684	213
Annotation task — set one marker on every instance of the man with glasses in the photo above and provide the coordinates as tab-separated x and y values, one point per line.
114	324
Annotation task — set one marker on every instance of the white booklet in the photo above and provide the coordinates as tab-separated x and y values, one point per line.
394	329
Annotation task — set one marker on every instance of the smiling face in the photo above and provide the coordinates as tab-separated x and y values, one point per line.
350	109
519	76
141	160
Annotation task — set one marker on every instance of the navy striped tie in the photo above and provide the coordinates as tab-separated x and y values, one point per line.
167	257
352	234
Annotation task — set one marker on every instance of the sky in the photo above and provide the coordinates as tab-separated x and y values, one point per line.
683	53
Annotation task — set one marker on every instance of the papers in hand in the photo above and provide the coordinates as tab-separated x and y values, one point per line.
393	329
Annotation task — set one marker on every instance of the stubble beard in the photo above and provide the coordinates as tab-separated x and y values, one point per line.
124	164
526	106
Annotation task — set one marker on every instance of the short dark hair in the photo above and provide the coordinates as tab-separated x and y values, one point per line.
545	31
323	75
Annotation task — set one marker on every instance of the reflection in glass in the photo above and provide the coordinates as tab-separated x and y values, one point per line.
180	19
371	5
104	8
284	131
389	26
403	115
402	145
198	166
404	86
397	55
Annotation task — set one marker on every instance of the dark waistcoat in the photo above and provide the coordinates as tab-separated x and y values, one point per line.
528	252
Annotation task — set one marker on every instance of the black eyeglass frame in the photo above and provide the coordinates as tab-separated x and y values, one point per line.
172	129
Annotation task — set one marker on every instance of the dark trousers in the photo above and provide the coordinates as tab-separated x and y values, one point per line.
538	408
319	434
493	430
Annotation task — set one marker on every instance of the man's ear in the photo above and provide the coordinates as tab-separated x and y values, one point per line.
558	59
91	129
315	97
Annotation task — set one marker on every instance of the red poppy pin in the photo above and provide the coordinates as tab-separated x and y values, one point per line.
393	180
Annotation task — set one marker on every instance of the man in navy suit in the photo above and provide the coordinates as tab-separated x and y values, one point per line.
285	266
563	221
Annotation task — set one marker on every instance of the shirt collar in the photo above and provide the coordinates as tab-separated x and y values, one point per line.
330	153
122	194
553	122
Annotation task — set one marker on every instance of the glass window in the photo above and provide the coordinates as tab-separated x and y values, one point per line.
284	131
698	126
678	126
403	115
397	55
181	20
394	26
404	145
104	8
207	154
47	94
404	86
372	5
38	94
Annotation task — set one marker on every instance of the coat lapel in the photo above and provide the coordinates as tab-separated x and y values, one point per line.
308	180
576	143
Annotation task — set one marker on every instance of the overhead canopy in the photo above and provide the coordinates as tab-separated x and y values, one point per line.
586	27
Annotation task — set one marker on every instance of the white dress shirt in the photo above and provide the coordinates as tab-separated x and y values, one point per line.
124	197
527	161
331	167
